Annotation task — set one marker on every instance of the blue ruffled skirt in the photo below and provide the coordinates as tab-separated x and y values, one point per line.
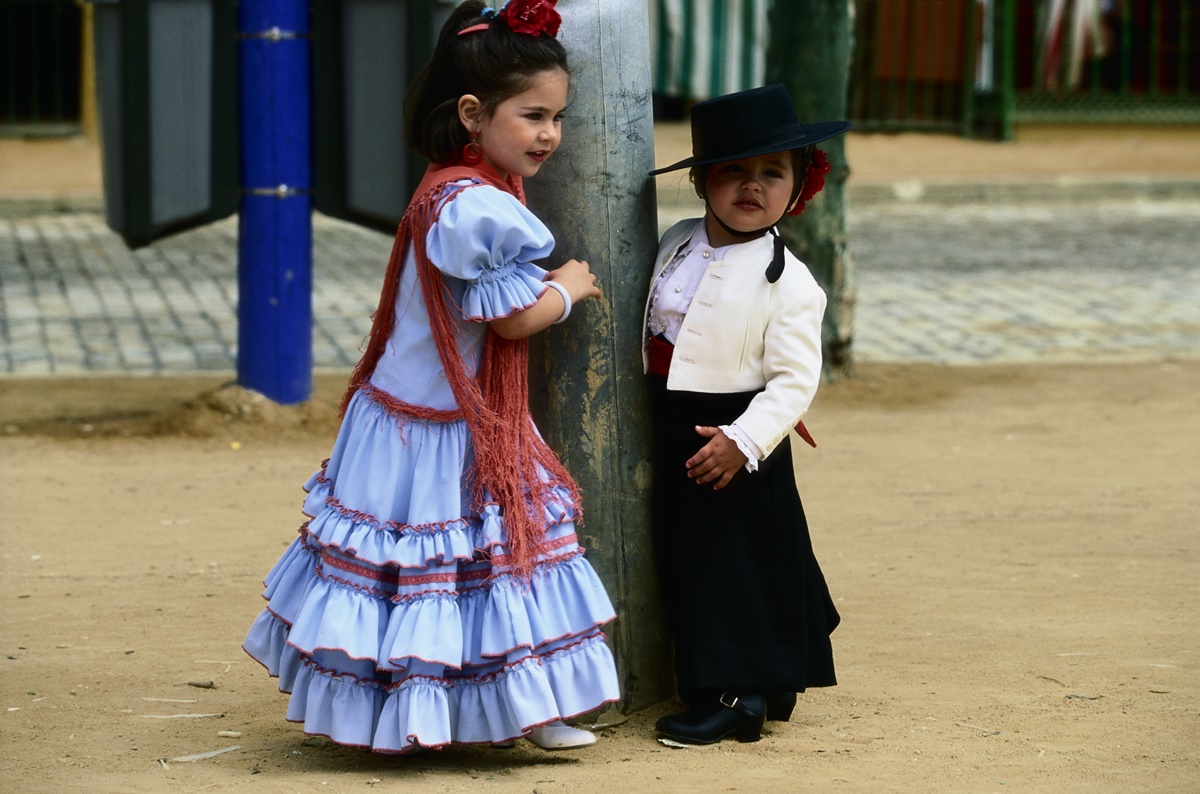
394	621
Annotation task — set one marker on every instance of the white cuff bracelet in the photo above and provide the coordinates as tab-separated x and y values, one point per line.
565	296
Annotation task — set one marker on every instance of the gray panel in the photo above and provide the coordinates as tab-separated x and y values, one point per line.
375	82
110	88
181	70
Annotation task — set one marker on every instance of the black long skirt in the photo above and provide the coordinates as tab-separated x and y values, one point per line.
745	599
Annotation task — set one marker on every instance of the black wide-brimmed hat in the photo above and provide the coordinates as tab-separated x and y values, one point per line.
750	123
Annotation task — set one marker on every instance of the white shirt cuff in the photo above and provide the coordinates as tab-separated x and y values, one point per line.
749	448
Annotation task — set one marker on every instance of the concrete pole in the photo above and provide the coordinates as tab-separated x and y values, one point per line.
809	52
275	226
587	386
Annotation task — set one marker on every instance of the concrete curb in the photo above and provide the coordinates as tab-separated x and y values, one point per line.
27	206
1078	190
1062	190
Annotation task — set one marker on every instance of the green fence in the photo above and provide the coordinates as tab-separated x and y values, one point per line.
1105	60
978	66
969	67
40	59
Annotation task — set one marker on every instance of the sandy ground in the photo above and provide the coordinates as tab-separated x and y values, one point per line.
1014	552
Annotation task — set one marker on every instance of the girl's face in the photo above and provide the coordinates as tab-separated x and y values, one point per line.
748	194
524	130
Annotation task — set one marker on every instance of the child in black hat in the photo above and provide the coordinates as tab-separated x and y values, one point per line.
732	348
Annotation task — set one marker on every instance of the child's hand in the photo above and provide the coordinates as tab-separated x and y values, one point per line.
718	460
579	280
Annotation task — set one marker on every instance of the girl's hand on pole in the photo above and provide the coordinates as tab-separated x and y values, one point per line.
577	276
717	460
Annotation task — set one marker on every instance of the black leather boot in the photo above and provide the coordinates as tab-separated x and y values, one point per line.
780	706
695	712
739	717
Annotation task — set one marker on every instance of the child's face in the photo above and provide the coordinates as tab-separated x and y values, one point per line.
525	129
749	194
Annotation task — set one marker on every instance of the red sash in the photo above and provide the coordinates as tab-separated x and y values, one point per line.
658	355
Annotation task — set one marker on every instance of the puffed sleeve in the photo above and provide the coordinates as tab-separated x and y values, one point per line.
487	238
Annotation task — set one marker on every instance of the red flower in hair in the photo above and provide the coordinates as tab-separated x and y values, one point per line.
814	179
531	17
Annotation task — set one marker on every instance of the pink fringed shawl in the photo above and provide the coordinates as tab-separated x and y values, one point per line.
495	403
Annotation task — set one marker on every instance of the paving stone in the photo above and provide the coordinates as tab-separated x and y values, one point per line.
947	283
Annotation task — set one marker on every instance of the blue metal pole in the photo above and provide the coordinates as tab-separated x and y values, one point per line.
275	228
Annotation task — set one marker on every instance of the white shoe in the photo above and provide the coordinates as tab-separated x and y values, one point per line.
557	736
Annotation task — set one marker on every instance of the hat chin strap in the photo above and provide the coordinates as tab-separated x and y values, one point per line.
775	269
733	231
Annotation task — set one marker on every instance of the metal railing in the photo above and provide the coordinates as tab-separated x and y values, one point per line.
1108	60
978	66
40	58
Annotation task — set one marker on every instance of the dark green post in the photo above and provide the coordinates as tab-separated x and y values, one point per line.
809	52
970	63
1006	70
588	390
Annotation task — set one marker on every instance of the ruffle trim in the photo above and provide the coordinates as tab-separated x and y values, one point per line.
489	618
512	287
383	543
432	711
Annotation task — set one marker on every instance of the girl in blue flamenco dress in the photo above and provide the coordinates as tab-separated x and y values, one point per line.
437	593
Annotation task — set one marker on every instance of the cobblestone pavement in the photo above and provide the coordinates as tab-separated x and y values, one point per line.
1078	281
1053	283
76	300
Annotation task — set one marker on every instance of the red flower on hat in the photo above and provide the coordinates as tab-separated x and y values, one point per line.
531	17
814	179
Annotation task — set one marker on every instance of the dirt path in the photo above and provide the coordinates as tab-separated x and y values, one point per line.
1014	552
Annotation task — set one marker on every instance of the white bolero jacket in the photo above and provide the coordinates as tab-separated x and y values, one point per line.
742	333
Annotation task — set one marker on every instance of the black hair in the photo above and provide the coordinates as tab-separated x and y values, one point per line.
698	174
494	65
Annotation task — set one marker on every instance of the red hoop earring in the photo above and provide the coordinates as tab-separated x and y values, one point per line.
472	153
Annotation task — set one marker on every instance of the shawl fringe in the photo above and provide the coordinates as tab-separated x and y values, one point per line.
509	453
